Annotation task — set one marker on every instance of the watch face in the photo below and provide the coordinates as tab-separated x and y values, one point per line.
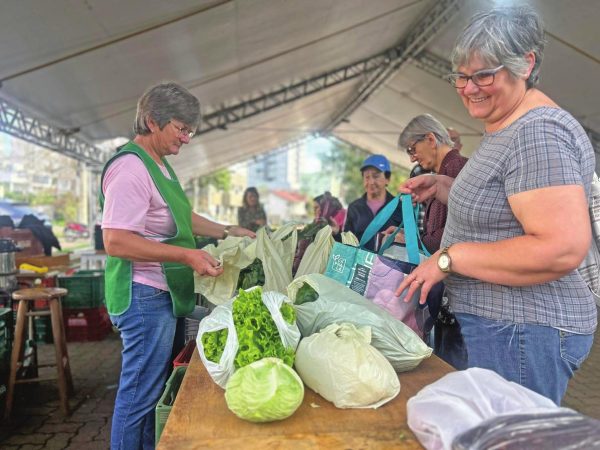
444	262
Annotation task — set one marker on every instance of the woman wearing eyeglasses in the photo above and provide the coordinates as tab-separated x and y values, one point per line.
518	223
427	141
148	228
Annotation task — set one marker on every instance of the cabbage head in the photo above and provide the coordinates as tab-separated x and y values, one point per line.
264	391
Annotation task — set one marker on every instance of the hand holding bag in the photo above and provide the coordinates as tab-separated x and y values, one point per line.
376	277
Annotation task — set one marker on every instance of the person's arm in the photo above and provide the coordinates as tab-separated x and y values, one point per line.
205	227
552	245
425	187
129	245
262	220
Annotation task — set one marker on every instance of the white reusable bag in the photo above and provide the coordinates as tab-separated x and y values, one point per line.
340	364
338	303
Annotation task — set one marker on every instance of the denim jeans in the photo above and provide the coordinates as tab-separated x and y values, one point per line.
147	331
538	357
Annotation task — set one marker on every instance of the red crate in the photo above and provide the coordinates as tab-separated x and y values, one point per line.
185	355
86	324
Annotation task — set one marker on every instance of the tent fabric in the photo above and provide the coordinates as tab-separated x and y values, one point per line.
81	65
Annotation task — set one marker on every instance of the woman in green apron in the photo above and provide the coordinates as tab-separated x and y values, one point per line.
149	229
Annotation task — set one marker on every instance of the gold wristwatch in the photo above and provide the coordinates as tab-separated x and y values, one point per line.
444	261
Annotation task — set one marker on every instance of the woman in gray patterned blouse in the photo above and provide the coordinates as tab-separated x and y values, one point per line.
518	223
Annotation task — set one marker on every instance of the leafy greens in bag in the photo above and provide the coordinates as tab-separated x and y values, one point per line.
256	332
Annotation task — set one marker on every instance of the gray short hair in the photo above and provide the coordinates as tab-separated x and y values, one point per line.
422	125
503	36
164	102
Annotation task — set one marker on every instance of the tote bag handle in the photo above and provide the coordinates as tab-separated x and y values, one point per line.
411	234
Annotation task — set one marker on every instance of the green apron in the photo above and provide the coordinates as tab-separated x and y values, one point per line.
180	278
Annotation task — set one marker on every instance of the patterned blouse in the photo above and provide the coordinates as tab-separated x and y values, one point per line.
247	217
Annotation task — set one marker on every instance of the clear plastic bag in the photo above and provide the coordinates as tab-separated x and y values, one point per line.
462	400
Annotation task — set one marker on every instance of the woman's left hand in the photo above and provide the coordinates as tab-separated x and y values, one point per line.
425	276
241	232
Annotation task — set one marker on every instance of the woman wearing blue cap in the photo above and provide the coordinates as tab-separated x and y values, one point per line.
376	173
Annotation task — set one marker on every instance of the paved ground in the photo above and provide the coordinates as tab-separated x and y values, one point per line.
38	423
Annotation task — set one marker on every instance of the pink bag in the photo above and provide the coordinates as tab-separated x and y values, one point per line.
383	280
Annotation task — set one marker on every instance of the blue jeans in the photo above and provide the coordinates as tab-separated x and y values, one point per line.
147	331
540	358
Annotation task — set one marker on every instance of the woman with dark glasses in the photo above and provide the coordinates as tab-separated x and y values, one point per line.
518	224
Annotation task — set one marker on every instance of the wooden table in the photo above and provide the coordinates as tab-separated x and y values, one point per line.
200	418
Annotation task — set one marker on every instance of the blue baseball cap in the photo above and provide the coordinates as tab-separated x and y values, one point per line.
379	162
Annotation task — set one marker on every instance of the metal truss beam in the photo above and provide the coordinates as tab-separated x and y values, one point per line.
391	57
439	67
418	37
18	124
231	114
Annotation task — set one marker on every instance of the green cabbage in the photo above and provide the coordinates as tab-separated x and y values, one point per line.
264	391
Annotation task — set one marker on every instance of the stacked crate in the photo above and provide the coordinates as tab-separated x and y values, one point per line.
84	313
165	404
5	348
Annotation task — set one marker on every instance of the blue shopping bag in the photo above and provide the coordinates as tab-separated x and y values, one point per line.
376	276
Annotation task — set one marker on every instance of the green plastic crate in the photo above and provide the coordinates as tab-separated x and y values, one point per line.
86	289
167	399
6	321
42	326
6	325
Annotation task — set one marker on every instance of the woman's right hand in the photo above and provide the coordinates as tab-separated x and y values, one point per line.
426	187
204	263
421	188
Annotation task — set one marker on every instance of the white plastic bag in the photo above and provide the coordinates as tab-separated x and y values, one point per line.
222	317
316	255
338	303
340	364
462	400
277	256
235	254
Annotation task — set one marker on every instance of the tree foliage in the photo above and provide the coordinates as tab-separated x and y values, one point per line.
220	180
344	161
65	207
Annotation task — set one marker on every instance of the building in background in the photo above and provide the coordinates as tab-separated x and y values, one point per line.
284	206
51	174
279	169
218	203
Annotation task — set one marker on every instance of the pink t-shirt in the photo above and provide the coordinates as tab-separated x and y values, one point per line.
132	202
375	205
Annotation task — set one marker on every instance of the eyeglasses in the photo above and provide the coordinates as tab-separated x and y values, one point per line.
183	131
481	78
412	149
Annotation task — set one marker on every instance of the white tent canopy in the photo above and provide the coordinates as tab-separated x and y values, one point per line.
80	65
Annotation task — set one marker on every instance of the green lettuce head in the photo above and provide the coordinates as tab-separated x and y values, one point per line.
264	391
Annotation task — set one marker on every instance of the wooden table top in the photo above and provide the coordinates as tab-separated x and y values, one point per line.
200	418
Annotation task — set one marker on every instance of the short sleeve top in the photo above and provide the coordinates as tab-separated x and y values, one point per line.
545	147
